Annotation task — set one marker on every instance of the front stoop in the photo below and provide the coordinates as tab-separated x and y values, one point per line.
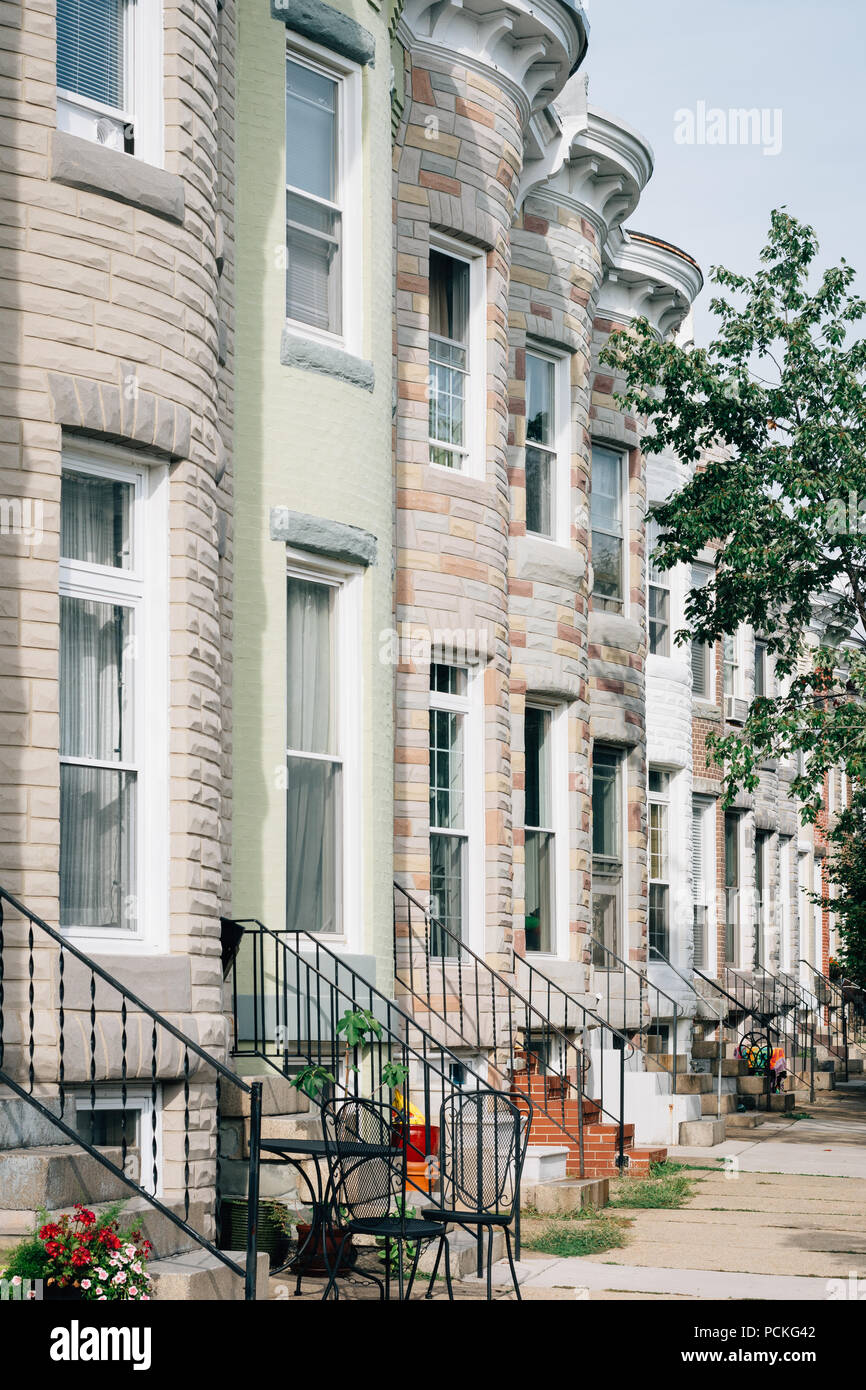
564	1195
199	1276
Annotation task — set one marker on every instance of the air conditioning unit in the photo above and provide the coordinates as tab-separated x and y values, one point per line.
736	710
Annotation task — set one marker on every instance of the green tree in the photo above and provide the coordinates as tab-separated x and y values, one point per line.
847	873
774	415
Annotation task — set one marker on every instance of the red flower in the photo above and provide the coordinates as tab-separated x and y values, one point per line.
50	1231
87	1218
109	1239
53	1249
81	1257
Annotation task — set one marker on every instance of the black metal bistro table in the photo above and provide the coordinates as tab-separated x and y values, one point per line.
296	1153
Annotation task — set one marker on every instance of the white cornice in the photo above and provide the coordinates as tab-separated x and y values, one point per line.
645	277
601	173
531	48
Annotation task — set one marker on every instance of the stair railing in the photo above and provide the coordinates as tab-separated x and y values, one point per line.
167	1054
796	1042
717	1009
477	1007
834	1012
651	1000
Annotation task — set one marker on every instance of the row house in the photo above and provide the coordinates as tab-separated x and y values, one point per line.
335	671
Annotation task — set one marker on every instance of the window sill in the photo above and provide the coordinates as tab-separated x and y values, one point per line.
84	164
614	630
308	355
543	559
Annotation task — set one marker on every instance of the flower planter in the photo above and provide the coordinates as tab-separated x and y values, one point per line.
310	1259
271	1237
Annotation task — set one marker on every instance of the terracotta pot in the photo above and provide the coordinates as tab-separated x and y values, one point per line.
311	1258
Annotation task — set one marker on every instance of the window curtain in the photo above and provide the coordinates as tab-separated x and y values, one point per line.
96	803
313	784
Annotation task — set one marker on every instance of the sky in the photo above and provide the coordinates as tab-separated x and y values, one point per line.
651	60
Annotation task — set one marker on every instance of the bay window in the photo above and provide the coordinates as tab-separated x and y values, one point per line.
449	411
449	822
109	73
702	652
547	458
540	892
113	659
659	863
607	513
659	599
607	863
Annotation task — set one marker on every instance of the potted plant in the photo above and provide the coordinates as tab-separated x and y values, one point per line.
320	1256
271	1231
86	1257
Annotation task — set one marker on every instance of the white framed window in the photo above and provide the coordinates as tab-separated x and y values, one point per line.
805	916
607	856
832	799
114	696
701	652
609	528
457	358
324	722
659	810
763	675
109	1121
786	871
702	870
731	664
547	455
545	820
762	904
324	196
733	833
658	598
843	788
456	808
110	74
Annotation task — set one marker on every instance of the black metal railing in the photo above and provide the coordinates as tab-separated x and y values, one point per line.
634	1003
537	1036
290	993
832	1010
772	1009
106	1036
717	1022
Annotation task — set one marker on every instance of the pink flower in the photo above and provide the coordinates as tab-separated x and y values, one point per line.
101	1273
85	1283
16	1279
120	1277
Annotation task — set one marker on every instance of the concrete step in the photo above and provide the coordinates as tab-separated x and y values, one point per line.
743	1123
463	1251
855	1065
198	1276
58	1175
664	1061
704	1049
563	1195
731	1066
165	1237
544	1163
702	1133
279	1097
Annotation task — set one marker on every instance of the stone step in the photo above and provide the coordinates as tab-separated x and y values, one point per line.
199	1276
58	1175
710	1102
664	1061
463	1252
731	1066
235	1131
279	1097
693	1083
165	1237
743	1123
702	1133
22	1127
855	1066
704	1049
563	1195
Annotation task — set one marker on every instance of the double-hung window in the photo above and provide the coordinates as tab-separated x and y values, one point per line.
608	527
659	598
112	699
762	673
323	812
109	73
606	855
700	869
701	652
450	359
732	888
786	889
546	454
449	820
659	863
762	849
538	831
323	225
730	664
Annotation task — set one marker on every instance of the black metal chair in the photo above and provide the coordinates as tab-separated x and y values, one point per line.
483	1138
371	1186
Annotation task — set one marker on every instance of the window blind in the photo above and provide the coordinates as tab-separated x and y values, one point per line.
91	49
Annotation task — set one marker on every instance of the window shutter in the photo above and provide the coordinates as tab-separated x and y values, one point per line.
697	854
91	44
699	669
